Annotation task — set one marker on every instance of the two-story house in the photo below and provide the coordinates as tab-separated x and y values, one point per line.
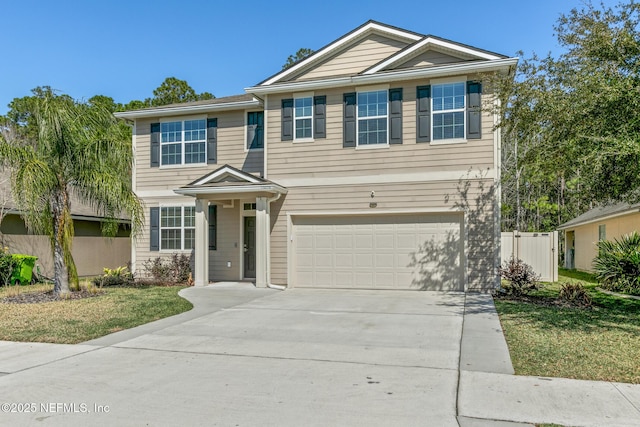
370	164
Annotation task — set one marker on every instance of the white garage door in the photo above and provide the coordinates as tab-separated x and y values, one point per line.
421	252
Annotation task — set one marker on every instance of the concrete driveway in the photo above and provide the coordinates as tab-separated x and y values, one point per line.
259	357
251	356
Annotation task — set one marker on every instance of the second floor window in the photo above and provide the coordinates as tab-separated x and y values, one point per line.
255	130
448	111
372	117
183	142
303	112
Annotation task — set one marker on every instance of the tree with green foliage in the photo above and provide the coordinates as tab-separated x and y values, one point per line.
174	91
301	54
571	123
62	148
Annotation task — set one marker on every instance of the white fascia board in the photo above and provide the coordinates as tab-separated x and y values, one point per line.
269	188
436	42
339	43
226	170
188	109
409	74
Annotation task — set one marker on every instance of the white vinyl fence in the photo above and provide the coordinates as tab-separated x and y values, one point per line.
539	250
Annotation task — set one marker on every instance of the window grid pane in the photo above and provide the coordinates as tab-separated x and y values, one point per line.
171	154
171	132
170	239
372	117
194	152
189	238
195	130
448	125
303	128
372	131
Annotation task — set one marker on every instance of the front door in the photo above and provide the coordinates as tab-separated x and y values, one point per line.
249	247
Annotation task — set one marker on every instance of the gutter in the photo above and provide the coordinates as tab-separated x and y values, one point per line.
186	109
276	189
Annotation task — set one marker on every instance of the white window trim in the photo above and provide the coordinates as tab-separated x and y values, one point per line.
371	89
246	125
183	142
181	228
449	80
303	96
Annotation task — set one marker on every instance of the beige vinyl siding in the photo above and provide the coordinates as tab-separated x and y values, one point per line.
361	55
231	150
228	245
441	196
326	157
428	58
586	237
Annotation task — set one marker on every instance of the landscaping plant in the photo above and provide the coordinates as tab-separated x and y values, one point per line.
617	266
176	269
119	276
7	265
575	293
520	277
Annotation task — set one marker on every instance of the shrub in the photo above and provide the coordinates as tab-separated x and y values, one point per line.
7	264
617	266
575	293
119	276
520	277
176	269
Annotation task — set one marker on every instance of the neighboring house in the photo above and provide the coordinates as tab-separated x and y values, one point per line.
369	164
91	252
582	234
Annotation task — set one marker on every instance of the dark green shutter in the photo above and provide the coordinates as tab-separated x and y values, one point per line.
213	227
155	145
287	119
255	130
320	116
154	232
212	141
474	104
395	116
349	132
423	113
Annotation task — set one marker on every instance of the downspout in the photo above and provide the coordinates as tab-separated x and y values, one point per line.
269	284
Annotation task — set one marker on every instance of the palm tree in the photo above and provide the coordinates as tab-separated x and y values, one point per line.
67	149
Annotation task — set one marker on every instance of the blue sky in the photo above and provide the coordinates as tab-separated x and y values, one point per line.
126	48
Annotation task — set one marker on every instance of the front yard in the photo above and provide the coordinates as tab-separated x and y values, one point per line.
599	343
77	320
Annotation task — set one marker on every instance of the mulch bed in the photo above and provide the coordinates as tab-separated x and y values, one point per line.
48	296
541	301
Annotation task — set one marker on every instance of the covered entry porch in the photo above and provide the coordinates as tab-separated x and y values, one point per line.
251	196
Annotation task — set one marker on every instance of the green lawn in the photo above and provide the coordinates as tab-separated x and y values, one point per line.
601	343
74	321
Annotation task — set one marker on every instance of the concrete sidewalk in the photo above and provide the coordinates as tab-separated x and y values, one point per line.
487	390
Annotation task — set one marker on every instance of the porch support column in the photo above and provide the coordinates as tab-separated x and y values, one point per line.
201	250
262	241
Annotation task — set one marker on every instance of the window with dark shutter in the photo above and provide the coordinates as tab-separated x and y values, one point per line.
154	232
287	120
255	130
213	227
423	113
474	113
320	116
395	116
349	131
155	145
212	141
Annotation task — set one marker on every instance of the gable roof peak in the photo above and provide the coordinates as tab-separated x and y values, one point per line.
366	28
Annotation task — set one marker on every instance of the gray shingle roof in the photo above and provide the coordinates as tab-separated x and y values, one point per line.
600	212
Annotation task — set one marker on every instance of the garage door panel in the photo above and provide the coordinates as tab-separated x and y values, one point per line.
379	251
